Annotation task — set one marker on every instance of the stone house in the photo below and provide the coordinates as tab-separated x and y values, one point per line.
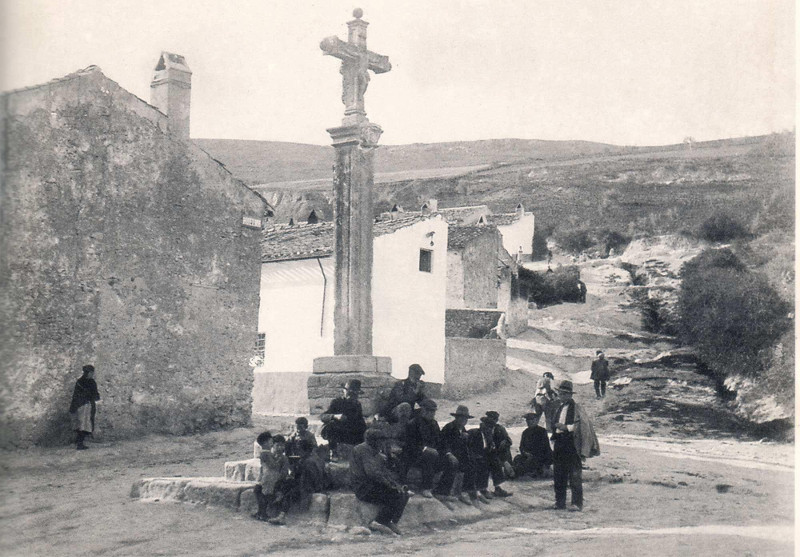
126	246
296	314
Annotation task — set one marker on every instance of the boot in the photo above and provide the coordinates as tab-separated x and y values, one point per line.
279	520
500	492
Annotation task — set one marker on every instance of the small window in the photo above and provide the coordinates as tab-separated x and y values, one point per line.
261	342
425	260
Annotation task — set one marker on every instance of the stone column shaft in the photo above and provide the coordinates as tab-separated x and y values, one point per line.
353	182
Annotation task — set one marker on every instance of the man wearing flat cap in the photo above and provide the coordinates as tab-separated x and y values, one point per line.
374	482
410	390
344	419
567	464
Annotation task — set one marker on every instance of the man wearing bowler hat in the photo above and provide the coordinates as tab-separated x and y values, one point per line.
566	458
344	419
489	445
410	390
456	449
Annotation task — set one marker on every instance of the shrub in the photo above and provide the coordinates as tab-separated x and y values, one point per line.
722	227
560	285
613	239
574	241
539	245
729	313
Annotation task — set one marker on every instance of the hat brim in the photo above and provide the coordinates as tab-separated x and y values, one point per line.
461	415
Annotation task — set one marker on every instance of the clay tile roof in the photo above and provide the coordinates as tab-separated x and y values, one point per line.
454	215
460	236
85	71
304	241
503	219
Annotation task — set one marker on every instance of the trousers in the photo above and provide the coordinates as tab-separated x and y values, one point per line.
567	470
600	387
391	503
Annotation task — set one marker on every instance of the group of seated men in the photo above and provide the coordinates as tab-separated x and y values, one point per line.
403	446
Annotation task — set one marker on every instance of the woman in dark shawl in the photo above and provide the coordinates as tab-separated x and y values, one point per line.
83	407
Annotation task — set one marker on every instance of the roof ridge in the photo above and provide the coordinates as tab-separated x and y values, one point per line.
74	75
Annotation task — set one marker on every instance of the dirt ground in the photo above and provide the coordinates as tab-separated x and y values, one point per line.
677	474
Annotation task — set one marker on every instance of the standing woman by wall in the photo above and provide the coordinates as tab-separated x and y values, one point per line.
83	407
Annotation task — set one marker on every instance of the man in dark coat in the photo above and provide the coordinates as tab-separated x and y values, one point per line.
455	445
344	419
83	406
535	454
600	374
373	482
410	390
423	449
567	465
488	446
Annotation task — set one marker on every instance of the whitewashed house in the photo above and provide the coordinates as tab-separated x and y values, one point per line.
517	231
409	282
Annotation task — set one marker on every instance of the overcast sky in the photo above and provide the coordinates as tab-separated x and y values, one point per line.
618	71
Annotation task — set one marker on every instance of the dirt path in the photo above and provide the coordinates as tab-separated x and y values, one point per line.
674	479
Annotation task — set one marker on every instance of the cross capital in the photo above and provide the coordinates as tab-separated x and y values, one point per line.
357	62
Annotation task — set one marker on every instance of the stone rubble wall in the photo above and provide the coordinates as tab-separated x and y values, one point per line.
473	365
124	248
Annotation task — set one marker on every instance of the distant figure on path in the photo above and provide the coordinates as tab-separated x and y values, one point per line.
344	418
83	406
567	464
373	482
535	455
544	400
581	292
600	374
410	390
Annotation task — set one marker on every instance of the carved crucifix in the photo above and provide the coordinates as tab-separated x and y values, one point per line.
356	63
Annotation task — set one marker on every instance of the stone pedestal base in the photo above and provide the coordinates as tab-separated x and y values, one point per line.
332	372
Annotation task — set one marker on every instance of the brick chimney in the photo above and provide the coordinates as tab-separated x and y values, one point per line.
171	92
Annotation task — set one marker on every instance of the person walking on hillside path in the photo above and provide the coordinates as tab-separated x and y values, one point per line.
83	406
600	374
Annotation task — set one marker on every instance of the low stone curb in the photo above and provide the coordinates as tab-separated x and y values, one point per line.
335	510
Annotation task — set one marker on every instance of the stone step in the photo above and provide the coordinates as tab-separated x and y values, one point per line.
336	510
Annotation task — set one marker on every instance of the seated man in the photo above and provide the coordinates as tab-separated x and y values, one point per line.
410	390
535	454
423	449
344	419
301	433
373	482
456	449
488	446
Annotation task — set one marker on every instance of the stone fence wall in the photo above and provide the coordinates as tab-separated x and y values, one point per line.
472	365
470	323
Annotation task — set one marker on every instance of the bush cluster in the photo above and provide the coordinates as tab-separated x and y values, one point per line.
560	285
601	241
722	227
732	315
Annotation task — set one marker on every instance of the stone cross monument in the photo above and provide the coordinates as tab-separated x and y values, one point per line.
355	141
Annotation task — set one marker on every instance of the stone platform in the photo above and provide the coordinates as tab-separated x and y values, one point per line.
339	509
332	372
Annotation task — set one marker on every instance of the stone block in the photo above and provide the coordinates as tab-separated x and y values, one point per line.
215	492
353	364
243	470
247	502
338	474
318	508
420	510
162	489
346	510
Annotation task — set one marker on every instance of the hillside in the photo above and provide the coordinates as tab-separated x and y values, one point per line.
267	162
637	191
